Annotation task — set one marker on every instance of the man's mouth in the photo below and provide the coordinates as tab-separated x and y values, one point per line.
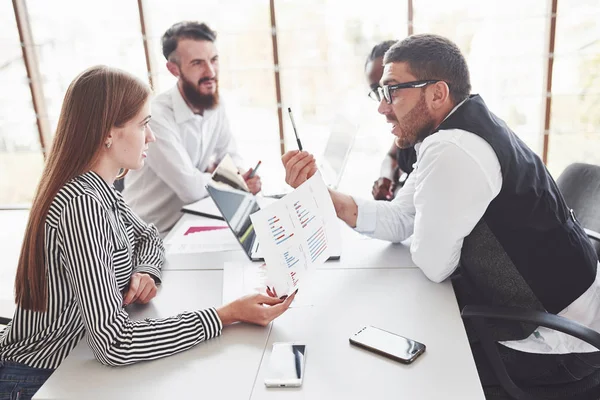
208	82
393	123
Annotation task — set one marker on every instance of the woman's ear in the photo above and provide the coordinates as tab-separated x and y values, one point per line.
109	139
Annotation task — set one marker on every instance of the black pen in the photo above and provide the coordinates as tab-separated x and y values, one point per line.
295	130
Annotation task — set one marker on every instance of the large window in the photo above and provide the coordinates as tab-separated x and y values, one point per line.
71	36
246	78
20	154
504	44
575	123
323	46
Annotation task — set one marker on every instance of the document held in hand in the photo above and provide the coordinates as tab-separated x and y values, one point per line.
296	233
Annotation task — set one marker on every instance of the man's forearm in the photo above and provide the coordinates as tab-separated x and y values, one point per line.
345	207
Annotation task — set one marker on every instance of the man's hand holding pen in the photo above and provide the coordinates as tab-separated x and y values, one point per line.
299	167
253	180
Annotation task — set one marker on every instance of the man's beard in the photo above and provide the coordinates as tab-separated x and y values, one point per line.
416	125
195	98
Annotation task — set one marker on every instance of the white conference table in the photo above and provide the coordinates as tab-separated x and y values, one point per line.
358	251
394	296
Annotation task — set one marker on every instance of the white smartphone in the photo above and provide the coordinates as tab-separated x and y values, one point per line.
388	344
286	365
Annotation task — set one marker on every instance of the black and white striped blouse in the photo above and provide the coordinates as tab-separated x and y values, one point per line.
94	243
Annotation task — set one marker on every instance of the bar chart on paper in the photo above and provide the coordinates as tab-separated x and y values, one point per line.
317	244
278	232
304	215
290	259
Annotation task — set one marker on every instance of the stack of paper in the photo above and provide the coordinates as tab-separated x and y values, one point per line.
201	237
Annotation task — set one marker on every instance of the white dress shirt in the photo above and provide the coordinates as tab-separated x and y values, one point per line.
186	145
456	176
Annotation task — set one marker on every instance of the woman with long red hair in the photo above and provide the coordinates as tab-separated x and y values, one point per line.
86	255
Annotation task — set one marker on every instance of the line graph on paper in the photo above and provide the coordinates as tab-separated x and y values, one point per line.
317	244
304	215
278	231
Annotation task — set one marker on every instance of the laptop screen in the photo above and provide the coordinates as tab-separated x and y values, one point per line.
236	207
337	150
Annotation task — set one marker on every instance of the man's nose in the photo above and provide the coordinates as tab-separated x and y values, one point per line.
211	70
384	107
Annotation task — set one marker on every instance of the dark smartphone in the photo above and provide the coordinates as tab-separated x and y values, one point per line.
388	344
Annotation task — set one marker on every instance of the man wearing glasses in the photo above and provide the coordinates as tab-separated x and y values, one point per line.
482	210
398	163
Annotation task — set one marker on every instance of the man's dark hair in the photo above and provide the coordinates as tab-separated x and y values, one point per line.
433	57
185	30
379	50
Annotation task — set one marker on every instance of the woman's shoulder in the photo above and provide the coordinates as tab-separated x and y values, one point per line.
79	192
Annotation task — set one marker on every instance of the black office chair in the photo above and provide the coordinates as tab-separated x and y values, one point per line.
586	389
580	186
120	185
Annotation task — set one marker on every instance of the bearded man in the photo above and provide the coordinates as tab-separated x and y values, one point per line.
191	128
482	210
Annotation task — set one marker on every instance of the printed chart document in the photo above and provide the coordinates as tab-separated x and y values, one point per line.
201	237
296	234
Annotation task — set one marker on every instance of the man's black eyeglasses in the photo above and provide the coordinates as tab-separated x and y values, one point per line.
386	91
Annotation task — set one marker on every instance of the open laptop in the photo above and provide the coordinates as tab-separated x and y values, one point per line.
337	150
236	207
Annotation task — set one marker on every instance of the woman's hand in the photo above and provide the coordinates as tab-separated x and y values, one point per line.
142	289
255	309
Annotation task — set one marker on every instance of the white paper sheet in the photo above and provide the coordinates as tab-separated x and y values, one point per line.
202	237
296	233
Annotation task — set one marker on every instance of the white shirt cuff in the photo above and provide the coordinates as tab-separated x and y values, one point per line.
367	215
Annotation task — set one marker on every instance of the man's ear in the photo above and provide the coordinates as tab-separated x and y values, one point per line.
441	94
173	68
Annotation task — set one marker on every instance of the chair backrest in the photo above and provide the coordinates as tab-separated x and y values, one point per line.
120	185
580	186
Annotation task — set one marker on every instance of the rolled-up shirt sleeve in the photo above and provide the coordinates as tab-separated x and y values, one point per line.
442	200
453	194
388	220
